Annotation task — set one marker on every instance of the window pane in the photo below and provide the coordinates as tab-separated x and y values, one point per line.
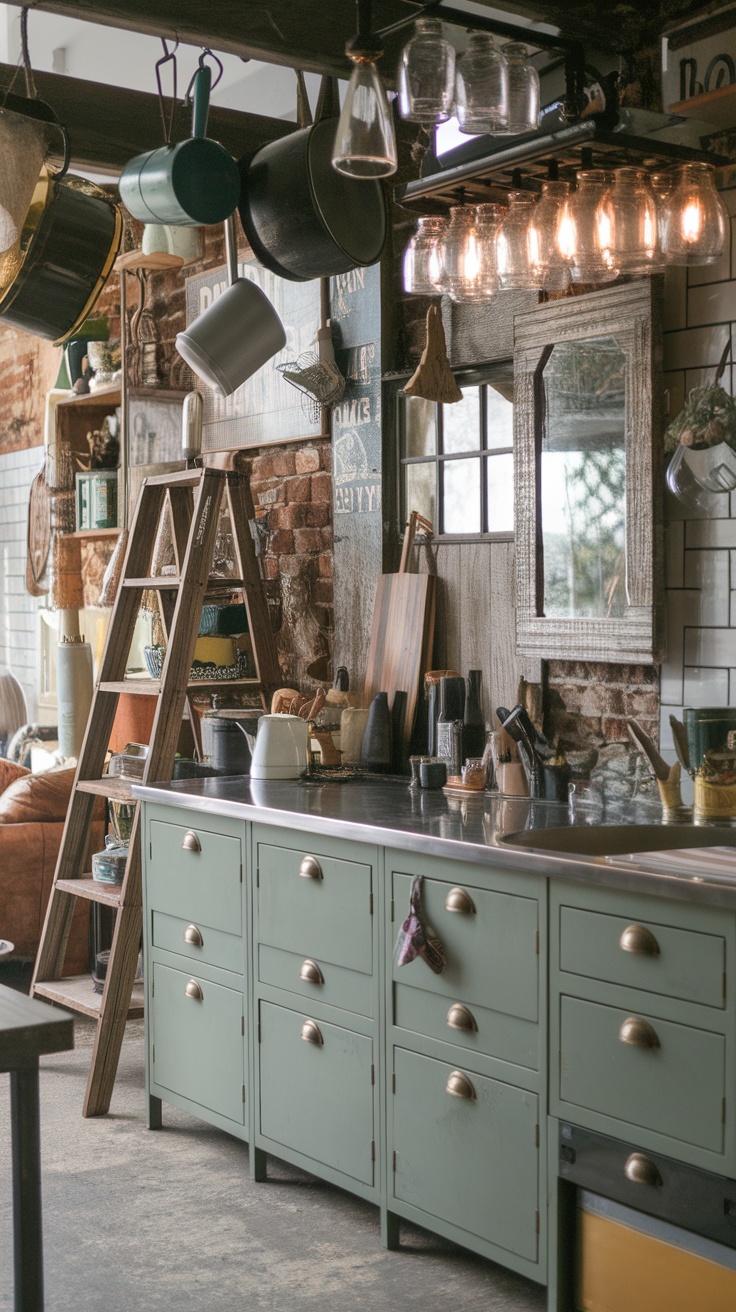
461	423
500	416
500	493
461	493
420	426
421	490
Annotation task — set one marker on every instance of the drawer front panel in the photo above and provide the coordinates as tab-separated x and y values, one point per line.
317	1097
327	917
675	1088
316	979
492	958
472	1161
679	963
198	1041
197	942
497	1035
201	880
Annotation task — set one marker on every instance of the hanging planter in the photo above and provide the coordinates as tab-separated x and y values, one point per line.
703	441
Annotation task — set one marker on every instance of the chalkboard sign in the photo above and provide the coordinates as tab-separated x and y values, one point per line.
266	408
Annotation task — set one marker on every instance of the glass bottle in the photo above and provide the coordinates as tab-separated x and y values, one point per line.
474	729
452	708
365	142
583	236
544	253
512	244
696	218
457	251
627	209
421	260
481	87
427	75
523	83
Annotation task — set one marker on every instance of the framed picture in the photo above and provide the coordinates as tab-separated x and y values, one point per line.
154	426
266	408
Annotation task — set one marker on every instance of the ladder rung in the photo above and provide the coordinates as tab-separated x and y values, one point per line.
218	584
76	993
91	889
156	583
224	683
184	478
140	687
111	786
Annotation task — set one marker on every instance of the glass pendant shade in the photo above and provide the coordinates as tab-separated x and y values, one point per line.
662	185
480	279
523	93
365	142
695	217
481	87
545	257
457	251
583	233
427	75
628	212
421	258
513	252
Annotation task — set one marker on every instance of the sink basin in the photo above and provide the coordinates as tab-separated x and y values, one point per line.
617	840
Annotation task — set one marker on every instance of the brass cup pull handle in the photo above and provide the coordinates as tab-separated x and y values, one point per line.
193	936
460	1018
311	1033
459	1086
640	1170
191	842
194	990
458	900
639	1033
639	940
311	973
310	868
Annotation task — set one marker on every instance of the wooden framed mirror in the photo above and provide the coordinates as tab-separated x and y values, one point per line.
588	478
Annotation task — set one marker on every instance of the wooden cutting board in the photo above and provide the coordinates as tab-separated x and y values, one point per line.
401	639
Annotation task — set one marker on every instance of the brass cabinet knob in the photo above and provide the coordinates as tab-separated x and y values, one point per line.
640	940
460	1018
459	1086
311	1033
311	972
193	990
310	868
640	1170
193	935
639	1033
191	842
458	900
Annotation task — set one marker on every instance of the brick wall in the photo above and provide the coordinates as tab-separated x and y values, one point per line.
28	368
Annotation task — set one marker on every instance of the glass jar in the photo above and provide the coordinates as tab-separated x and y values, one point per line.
545	255
696	218
481	87
523	83
662	185
421	261
627	210
481	271
583	236
457	252
427	75
515	269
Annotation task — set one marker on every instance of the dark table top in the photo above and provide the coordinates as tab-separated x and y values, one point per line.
29	1028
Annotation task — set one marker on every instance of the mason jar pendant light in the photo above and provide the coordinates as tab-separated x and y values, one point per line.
515	269
584	232
482	87
458	254
421	259
628	211
365	142
545	257
481	281
523	93
695	218
427	75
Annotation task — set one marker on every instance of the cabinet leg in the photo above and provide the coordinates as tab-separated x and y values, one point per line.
155	1119
258	1165
390	1229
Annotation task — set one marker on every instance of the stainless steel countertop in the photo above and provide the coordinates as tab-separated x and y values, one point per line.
389	813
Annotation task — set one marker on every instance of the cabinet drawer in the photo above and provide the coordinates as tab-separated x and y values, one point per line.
496	1035
197	1042
317	1096
195	873
316	979
324	912
470	1160
679	963
198	942
491	946
674	1088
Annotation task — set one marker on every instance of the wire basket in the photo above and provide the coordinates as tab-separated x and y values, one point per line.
319	381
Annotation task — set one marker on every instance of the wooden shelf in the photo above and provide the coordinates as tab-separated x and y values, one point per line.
158	583
76	993
94	890
89	533
150	687
715	107
102	396
112	786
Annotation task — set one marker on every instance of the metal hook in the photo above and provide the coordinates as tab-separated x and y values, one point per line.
168	57
201	64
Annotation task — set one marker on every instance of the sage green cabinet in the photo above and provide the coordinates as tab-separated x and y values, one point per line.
197	1046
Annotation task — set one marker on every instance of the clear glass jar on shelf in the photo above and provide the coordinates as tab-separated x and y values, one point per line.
545	256
523	93
696	218
513	252
427	75
481	87
421	268
583	235
629	213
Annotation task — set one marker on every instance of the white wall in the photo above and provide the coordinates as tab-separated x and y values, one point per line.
18	611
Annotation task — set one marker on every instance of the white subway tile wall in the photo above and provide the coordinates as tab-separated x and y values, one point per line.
700	662
18	611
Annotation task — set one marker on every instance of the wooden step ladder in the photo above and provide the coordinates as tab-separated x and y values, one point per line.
193	499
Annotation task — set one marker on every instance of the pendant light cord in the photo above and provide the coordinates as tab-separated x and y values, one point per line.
26	55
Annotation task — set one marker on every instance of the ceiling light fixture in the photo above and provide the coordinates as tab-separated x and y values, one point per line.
365	141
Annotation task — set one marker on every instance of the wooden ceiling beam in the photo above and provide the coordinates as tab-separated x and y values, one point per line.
107	125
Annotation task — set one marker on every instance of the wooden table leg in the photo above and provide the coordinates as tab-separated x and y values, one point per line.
27	1237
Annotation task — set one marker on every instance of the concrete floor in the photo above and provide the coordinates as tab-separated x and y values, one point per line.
171	1222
